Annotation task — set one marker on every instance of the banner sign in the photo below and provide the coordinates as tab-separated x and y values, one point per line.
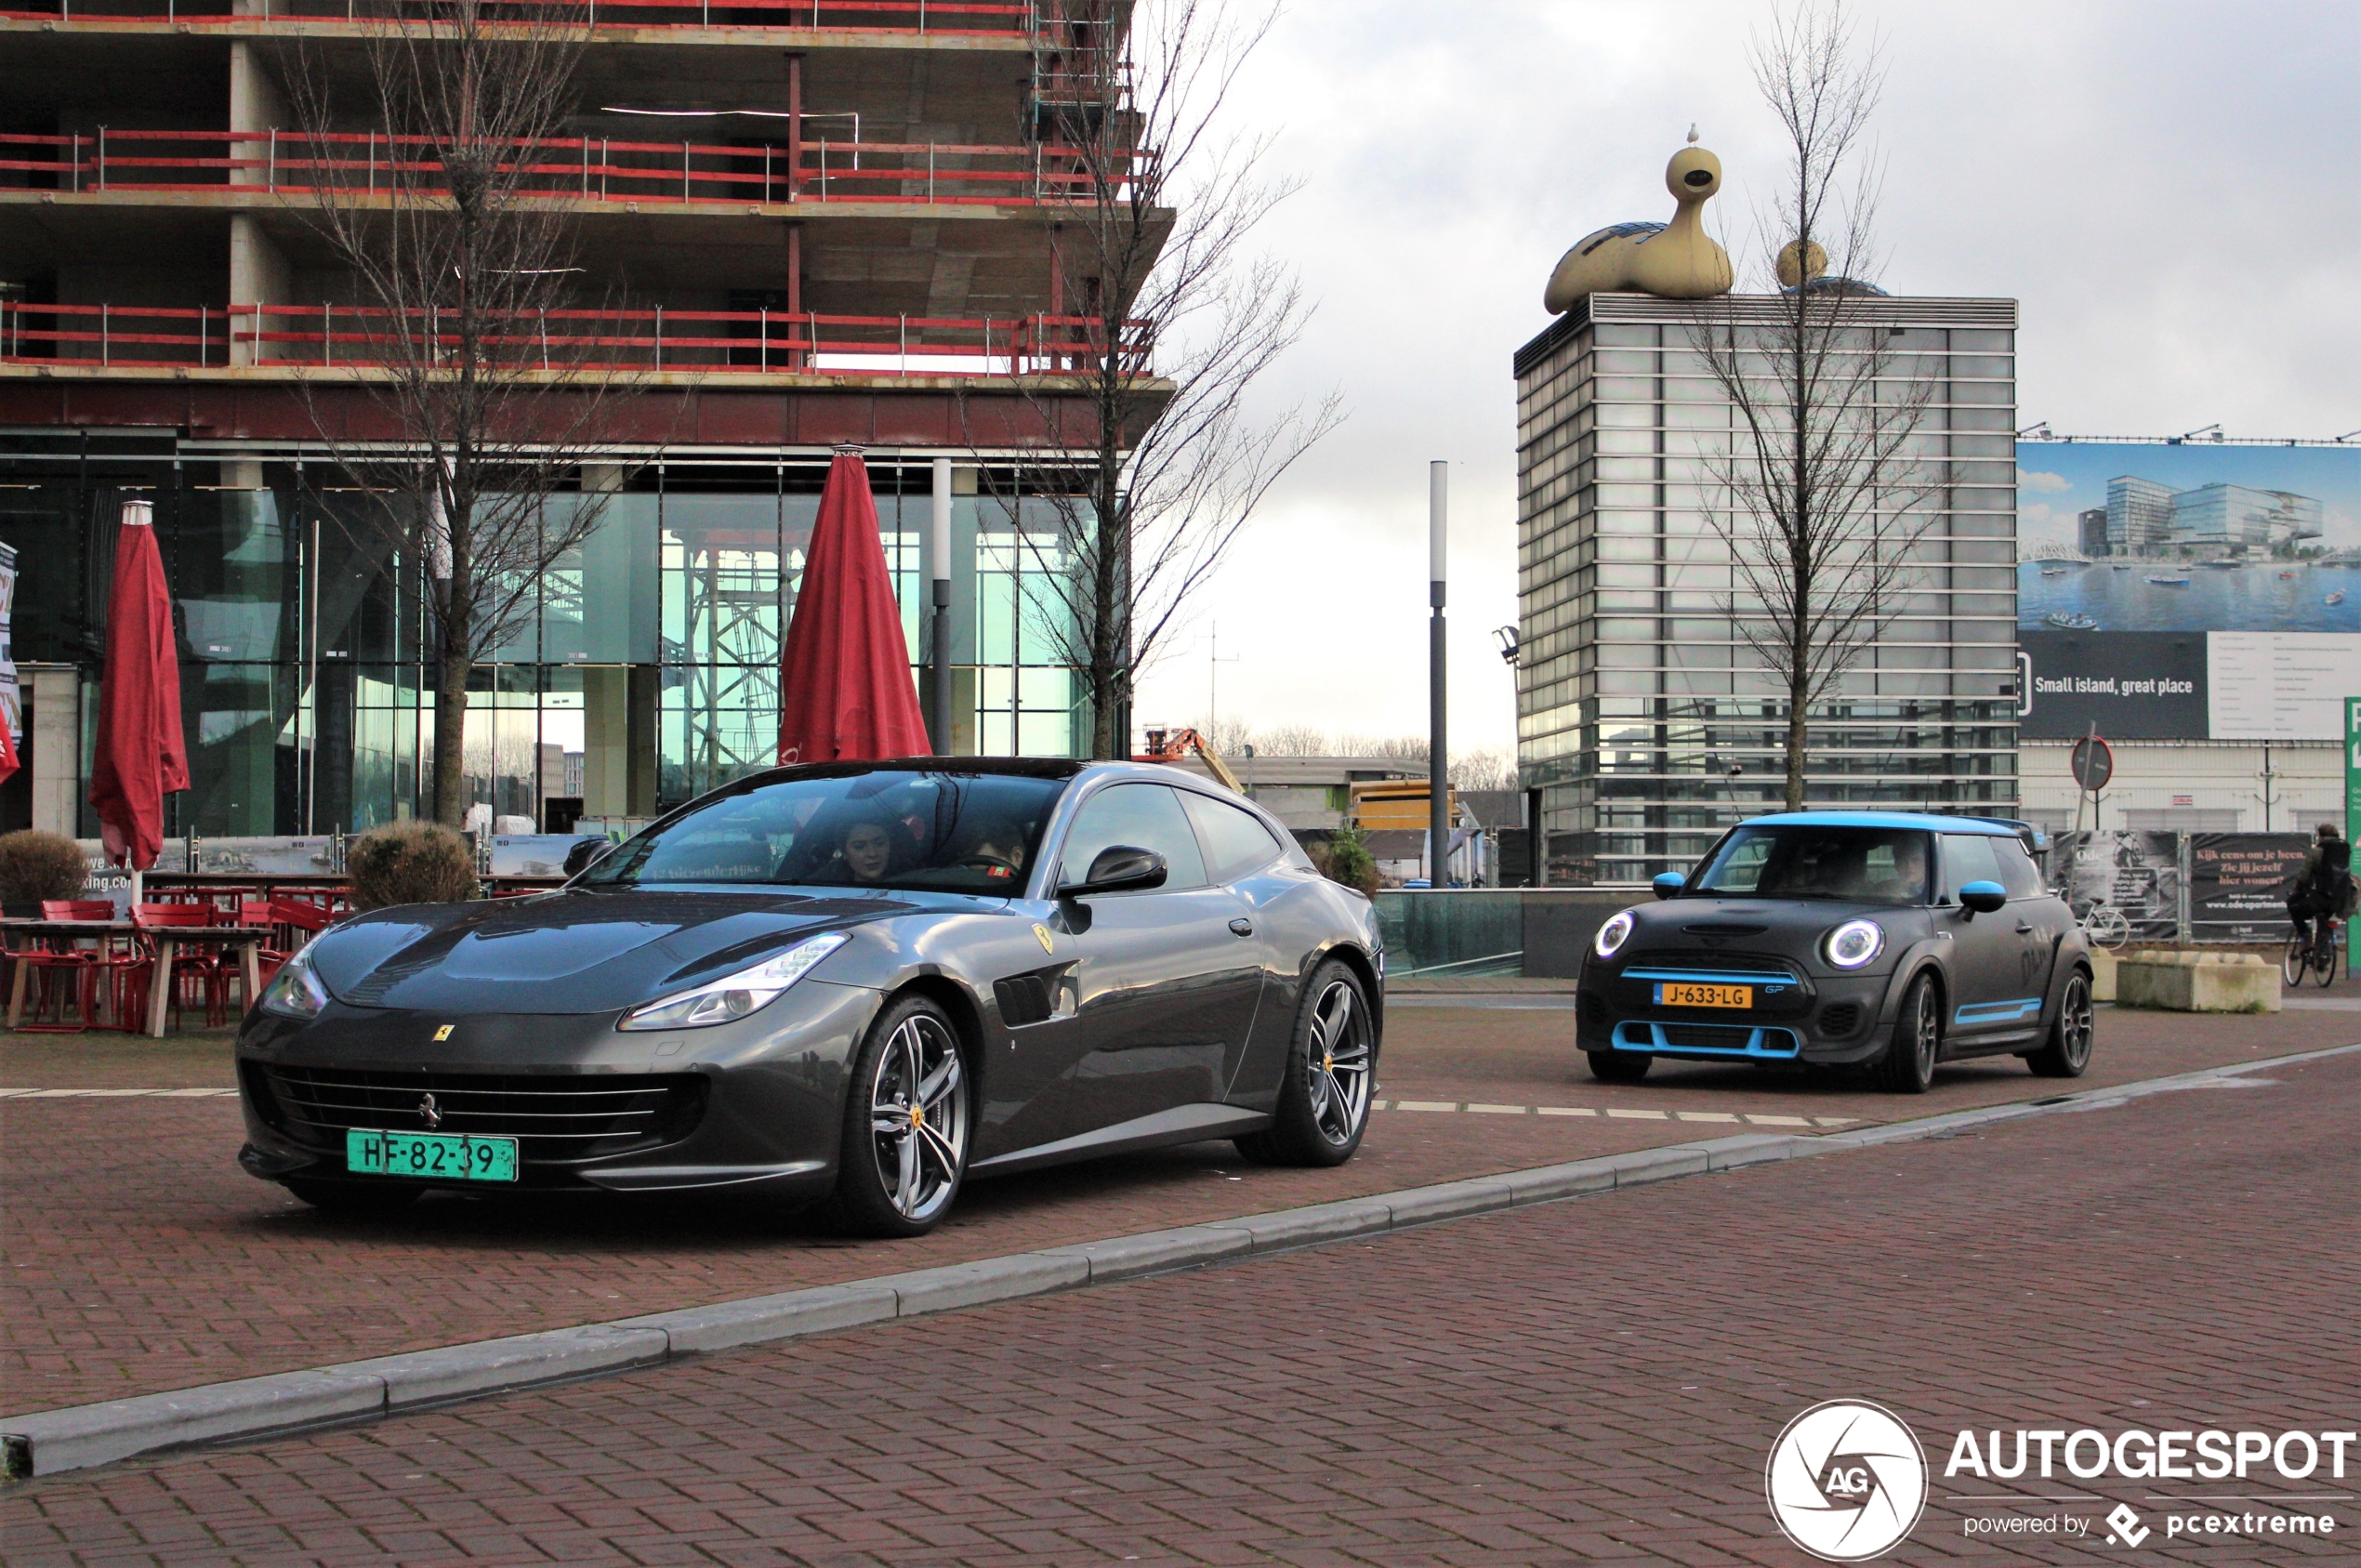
2187	591
2239	883
2137	873
2353	770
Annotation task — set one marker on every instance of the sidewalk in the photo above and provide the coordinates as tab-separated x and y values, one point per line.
1582	1381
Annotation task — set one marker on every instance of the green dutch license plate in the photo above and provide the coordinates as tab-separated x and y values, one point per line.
430	1155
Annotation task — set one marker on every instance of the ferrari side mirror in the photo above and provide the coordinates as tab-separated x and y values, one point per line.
1119	868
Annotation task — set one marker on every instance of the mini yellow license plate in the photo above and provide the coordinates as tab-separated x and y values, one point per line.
1684	994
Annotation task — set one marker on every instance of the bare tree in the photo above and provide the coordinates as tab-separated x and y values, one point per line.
479	351
1821	495
1153	209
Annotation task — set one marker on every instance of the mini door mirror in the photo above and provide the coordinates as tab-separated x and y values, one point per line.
1119	868
1669	884
1983	898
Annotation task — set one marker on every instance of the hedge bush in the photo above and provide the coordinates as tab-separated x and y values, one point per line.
35	866
410	863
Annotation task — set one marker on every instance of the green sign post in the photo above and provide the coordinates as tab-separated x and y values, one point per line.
2352	768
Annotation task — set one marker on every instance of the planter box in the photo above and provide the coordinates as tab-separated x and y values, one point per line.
2198	983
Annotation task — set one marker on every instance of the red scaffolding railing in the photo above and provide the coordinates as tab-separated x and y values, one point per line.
365	164
333	337
959	18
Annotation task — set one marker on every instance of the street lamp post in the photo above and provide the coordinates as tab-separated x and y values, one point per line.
939	568
1438	752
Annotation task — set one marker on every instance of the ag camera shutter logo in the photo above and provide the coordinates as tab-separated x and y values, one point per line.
1846	1480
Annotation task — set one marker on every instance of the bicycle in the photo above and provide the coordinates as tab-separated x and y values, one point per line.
2103	925
2318	957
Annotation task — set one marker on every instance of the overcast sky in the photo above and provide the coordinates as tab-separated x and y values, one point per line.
2169	188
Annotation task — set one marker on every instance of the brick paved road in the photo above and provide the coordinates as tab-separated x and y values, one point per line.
1594	1380
140	1259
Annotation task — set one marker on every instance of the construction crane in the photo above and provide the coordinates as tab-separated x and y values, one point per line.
1168	746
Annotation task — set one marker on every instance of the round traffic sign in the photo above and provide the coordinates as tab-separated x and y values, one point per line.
2093	763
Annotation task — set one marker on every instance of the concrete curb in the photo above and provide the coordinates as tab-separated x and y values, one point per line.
80	1436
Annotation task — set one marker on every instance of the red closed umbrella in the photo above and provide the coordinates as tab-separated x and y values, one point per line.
141	753
845	690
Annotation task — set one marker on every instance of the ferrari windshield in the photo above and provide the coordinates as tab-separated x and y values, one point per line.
1863	865
969	833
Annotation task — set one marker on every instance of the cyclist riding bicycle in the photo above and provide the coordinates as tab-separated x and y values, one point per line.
2326	886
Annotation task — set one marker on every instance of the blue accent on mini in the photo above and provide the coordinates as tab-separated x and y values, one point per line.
1746	1042
1923	823
1768	980
1998	1012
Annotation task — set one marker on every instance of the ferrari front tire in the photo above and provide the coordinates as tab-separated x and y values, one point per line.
906	1125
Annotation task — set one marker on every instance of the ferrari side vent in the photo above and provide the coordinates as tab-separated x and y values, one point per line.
1025	998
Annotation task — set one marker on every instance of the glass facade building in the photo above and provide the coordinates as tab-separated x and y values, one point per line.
645	671
1643	716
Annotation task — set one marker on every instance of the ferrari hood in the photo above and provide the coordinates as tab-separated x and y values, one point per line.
574	952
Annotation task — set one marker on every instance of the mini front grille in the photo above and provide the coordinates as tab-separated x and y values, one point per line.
1706	1036
1840	1019
1733	967
554	1118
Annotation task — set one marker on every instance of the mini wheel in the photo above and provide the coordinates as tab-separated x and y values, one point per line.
2067	1052
1908	1066
1620	1067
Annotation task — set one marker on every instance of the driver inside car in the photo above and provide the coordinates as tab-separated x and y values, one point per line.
997	849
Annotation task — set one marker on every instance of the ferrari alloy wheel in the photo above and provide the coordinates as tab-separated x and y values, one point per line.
2068	1051
1331	1072
1908	1066
906	1125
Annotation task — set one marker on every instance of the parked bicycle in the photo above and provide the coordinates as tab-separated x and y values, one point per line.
2318	956
2103	924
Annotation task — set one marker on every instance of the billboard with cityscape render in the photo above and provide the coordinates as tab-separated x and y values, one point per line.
2195	591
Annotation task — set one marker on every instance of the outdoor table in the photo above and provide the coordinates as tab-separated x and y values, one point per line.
247	939
35	928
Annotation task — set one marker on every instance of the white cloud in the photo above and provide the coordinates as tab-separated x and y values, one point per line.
2045	484
2074	156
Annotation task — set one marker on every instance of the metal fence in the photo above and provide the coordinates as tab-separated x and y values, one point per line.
1465	933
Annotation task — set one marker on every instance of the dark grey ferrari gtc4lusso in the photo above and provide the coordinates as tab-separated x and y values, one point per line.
858	983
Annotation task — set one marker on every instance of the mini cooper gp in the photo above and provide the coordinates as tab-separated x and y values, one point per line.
1886	938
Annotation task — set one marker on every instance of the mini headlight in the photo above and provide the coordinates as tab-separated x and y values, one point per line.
294	991
1613	935
1854	943
733	996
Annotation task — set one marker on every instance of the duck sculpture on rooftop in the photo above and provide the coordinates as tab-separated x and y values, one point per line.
1675	260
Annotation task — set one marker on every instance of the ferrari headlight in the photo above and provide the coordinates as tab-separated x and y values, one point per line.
733	996
294	991
1613	934
1854	943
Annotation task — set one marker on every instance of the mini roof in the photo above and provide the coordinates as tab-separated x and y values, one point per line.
1920	819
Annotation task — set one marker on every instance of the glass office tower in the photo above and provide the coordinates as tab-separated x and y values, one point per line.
1643	717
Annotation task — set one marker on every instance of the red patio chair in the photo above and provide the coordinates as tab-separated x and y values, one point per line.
111	964
202	966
